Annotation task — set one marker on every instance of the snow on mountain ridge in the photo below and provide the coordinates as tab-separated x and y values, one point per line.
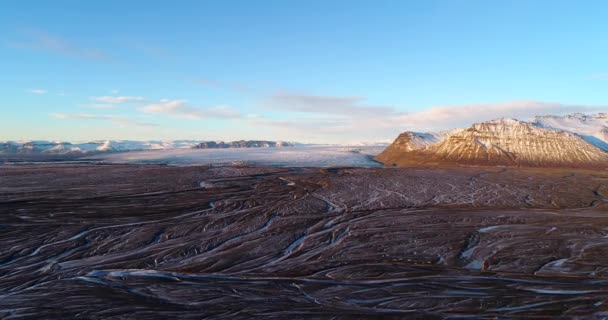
62	147
101	146
498	142
592	128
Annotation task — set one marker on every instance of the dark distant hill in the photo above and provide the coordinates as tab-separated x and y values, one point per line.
242	144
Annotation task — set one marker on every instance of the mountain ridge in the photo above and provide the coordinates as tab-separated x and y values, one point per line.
504	142
45	147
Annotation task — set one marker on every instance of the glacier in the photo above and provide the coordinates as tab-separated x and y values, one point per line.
299	156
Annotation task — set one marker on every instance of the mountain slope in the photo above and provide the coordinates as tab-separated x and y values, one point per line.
592	128
501	142
406	142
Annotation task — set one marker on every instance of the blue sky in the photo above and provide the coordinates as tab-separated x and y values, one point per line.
311	71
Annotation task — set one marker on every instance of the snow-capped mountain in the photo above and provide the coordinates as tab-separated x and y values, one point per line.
497	142
410	141
592	128
106	146
102	146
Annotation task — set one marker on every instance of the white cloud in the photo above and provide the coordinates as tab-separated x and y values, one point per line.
287	101
220	112
447	117
101	106
121	120
38	91
118	99
180	108
80	116
167	106
342	119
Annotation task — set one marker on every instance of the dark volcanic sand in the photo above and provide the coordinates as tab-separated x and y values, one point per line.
160	242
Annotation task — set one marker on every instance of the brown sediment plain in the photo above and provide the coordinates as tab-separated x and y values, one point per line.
161	242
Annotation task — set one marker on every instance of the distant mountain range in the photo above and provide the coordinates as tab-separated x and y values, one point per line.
62	148
575	140
242	144
95	147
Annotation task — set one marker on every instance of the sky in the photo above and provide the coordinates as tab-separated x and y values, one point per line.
327	71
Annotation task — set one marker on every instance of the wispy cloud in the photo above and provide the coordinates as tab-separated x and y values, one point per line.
179	108
446	117
352	106
118	99
336	118
320	130
38	91
41	40
121	120
344	119
100	106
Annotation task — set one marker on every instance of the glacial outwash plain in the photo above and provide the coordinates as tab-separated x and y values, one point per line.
150	241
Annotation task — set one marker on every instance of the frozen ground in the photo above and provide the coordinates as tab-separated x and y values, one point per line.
82	241
317	156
